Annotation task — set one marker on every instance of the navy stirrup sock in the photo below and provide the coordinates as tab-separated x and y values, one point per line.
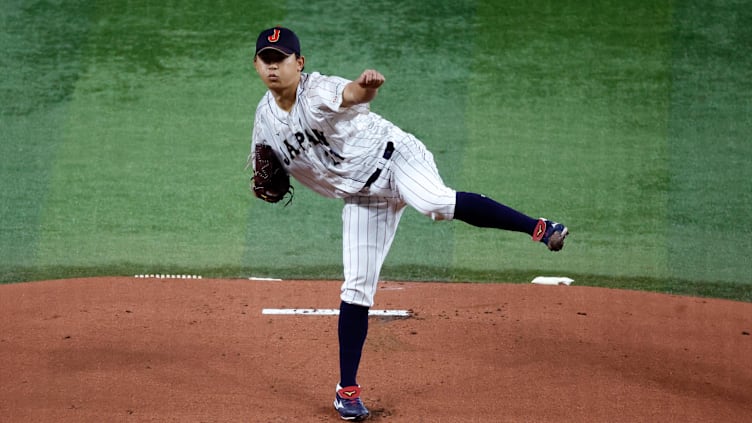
352	330
479	210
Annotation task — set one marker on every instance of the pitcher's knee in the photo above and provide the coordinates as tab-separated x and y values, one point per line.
439	215
437	207
357	294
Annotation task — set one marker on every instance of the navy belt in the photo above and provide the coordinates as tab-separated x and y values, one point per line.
387	155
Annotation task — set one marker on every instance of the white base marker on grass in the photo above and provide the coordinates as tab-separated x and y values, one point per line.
552	280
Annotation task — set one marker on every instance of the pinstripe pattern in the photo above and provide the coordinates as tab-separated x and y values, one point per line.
370	220
334	151
369	225
338	166
418	181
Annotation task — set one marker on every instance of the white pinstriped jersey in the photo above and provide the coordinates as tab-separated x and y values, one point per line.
330	150
334	151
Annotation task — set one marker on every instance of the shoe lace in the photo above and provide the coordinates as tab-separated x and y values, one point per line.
352	401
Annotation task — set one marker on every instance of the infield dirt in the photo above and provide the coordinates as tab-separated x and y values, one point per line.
170	350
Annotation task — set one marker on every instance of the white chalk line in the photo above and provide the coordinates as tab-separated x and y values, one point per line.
173	276
165	276
329	312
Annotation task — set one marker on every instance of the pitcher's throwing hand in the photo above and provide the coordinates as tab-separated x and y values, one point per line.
370	79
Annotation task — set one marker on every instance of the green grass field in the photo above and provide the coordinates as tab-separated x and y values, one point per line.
125	128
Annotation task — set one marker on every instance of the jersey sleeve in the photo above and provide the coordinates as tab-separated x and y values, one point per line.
257	137
326	94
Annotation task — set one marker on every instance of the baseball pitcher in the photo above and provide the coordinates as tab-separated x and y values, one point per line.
320	130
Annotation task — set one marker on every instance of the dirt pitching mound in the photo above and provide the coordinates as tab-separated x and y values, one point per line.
173	350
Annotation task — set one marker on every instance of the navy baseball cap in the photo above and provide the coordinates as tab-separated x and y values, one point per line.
280	39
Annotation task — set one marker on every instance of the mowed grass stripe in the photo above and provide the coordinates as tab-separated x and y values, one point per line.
40	63
568	115
710	142
151	172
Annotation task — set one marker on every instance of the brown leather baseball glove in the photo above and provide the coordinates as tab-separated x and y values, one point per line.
270	181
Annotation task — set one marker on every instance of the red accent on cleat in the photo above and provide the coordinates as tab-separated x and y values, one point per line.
540	230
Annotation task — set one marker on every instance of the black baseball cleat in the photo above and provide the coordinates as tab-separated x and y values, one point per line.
348	404
550	233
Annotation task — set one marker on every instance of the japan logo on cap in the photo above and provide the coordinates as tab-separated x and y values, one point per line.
280	39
